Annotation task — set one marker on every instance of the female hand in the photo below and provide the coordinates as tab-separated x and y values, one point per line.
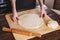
15	17
43	13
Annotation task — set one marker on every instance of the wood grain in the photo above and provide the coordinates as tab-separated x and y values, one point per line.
43	30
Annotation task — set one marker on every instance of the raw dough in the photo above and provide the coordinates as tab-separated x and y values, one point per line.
30	21
53	24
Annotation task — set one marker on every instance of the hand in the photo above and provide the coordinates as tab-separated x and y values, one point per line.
43	13
15	17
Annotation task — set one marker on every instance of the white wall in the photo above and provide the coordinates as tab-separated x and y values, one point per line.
37	2
49	3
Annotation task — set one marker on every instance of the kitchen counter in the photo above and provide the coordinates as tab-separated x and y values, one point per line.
4	35
57	11
8	36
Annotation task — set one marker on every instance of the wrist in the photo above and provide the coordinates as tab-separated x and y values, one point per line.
14	12
41	7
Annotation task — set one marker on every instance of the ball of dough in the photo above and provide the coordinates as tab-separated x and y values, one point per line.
53	24
30	21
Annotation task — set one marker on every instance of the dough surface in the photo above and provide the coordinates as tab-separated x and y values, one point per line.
30	21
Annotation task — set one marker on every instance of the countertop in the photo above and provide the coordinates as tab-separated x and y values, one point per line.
50	36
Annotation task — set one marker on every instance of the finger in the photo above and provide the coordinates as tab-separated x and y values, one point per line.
41	14
14	19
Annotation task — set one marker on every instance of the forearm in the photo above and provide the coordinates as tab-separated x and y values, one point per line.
43	12
41	3
13	2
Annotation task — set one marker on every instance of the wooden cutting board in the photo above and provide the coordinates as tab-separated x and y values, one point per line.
42	30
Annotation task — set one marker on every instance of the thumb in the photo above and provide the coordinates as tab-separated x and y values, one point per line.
17	18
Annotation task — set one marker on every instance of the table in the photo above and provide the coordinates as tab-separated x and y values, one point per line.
55	35
4	35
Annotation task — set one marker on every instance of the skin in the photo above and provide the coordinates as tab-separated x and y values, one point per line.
15	16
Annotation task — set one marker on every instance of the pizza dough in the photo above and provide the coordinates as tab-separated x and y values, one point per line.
53	24
30	21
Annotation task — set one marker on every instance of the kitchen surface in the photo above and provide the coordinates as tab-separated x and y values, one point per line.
9	36
14	31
